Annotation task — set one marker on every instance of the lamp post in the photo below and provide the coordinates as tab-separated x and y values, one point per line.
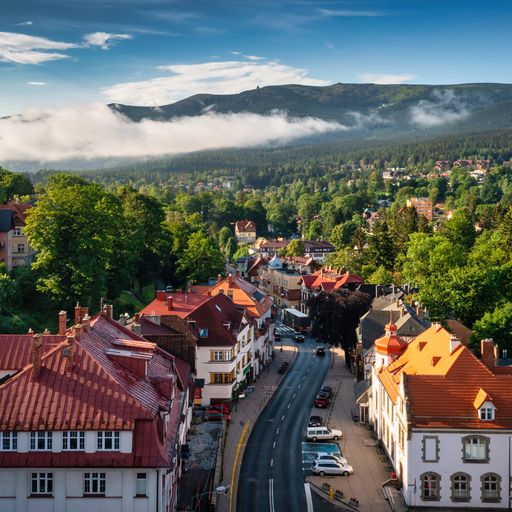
218	491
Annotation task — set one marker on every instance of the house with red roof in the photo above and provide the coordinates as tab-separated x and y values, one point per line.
212	328
6	235
22	253
444	418
91	418
245	231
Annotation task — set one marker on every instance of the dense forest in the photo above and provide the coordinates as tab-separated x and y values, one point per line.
117	236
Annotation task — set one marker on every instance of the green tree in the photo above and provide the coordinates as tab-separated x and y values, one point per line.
294	248
381	248
342	234
380	276
496	324
201	259
460	229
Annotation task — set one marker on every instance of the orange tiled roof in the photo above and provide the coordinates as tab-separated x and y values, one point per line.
481	398
442	384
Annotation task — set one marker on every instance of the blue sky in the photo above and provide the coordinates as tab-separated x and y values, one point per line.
59	52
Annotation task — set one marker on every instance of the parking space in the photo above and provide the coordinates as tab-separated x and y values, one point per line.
310	452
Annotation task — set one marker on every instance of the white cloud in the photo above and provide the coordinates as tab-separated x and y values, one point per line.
376	78
95	131
445	107
346	13
24	24
37	83
211	77
104	39
25	49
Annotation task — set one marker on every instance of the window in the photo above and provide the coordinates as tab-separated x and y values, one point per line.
141	485
17	232
221	378
108	440
486	413
430	488
40	441
8	441
21	248
461	487
491	488
430	449
73	440
41	483
94	483
475	449
216	356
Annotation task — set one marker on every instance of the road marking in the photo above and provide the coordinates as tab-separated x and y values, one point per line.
274	445
299	386
303	378
294	395
271	463
277	431
271	493
309	498
288	406
282	419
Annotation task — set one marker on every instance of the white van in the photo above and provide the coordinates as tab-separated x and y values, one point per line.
322	433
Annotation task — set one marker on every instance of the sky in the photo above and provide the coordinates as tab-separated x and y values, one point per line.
153	52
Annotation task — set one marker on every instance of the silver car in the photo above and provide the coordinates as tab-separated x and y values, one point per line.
329	457
331	468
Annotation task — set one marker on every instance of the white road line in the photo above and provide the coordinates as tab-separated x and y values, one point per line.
274	445
294	395
299	386
277	431
288	406
282	419
309	498
271	493
271	463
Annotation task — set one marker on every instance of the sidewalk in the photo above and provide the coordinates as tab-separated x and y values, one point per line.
249	409
357	445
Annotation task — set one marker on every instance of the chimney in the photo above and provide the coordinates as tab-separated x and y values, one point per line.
219	279
454	343
80	312
169	303
487	352
69	353
122	319
36	354
78	332
63	320
419	311
160	295
86	322
230	279
137	318
108	310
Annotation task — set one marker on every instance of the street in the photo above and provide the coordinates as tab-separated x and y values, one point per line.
271	476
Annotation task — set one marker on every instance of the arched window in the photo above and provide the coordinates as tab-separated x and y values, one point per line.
461	489
491	487
430	486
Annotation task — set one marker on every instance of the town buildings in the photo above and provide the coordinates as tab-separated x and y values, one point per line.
6	236
245	231
444	419
21	252
94	417
423	206
318	250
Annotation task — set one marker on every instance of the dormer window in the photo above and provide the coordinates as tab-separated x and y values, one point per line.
486	413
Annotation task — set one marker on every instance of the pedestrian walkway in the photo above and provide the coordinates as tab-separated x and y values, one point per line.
369	473
248	410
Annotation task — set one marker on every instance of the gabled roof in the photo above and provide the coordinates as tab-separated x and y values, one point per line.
19	211
443	380
6	221
182	305
16	349
245	294
245	225
481	398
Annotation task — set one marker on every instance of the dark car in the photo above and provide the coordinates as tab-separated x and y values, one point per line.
277	336
315	421
322	401
326	390
216	416
298	337
222	408
320	351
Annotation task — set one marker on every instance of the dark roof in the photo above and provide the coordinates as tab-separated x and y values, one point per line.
6	220
372	325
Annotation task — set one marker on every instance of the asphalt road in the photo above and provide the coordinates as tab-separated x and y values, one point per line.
271	475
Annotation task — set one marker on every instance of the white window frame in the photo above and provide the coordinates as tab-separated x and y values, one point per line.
108	436
43	483
218	355
22	248
46	439
18	232
475	449
487	413
8	441
139	478
95	483
73	437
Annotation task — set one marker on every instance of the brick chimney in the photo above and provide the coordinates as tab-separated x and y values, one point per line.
69	353
219	279
169	303
230	279
80	312
454	343
36	354
78	332
108	310
487	352
63	320
160	295
86	322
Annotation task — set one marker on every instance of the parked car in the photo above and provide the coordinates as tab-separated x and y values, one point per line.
298	337
332	468
283	368
315	421
326	390
322	402
328	457
223	408
322	434
320	351
277	336
216	416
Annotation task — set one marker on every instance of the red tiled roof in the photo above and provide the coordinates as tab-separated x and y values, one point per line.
245	225
16	349
182	305
19	211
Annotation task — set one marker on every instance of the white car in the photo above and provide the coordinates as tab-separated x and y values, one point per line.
331	468
322	433
328	457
